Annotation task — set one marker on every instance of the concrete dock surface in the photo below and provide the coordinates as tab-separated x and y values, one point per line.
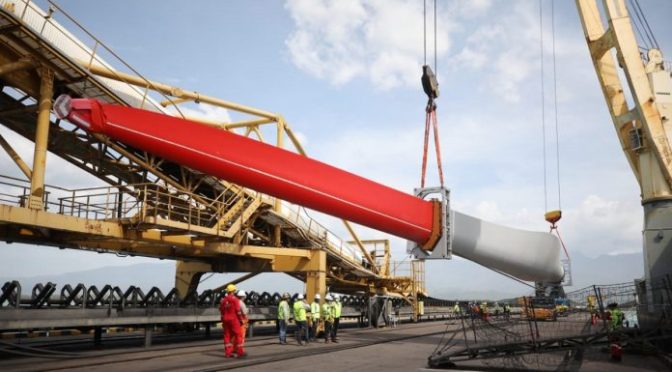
404	348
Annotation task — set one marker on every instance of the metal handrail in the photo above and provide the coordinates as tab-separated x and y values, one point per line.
318	230
91	53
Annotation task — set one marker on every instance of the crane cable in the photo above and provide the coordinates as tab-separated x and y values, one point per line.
653	43
553	216
430	86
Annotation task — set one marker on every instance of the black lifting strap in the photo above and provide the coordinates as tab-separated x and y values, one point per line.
431	87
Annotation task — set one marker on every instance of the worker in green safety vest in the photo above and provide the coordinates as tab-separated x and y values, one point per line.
615	317
336	309
300	306
328	317
315	310
283	318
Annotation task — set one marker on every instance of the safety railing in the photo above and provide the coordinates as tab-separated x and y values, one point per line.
92	51
299	216
137	201
144	201
401	268
16	192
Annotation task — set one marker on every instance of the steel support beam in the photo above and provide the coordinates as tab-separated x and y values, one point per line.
16	157
316	280
36	200
21	64
359	243
179	93
188	275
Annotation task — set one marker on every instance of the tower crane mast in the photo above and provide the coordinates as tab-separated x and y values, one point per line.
640	110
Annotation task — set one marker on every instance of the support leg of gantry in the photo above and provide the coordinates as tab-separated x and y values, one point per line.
149	330
97	336
36	200
188	275
316	280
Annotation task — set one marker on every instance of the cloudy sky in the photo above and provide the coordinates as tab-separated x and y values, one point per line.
345	74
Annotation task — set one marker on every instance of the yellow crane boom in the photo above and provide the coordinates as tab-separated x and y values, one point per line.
641	116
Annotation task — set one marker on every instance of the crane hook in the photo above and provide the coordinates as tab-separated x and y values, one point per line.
431	87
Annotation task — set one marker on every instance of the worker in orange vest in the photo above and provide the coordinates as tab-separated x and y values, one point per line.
232	320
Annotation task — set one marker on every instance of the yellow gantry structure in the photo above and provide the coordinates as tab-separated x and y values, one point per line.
152	207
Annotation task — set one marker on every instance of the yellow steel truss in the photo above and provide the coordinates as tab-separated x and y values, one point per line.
152	207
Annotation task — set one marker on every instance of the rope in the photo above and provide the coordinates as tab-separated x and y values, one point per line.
637	27
430	110
424	25
437	146
648	27
436	70
554	227
431	120
512	277
424	151
543	111
555	104
641	22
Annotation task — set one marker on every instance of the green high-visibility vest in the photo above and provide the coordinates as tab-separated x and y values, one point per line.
327	312
283	310
616	319
337	309
299	311
315	310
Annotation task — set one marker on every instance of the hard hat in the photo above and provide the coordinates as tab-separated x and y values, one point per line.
241	293
299	297
317	296
231	288
329	298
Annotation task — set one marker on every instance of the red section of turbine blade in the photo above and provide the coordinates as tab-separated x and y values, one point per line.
268	169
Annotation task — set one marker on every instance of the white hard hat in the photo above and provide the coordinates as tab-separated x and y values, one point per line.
317	296
329	298
299	297
241	293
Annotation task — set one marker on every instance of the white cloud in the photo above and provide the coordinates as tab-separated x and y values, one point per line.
381	41
204	111
594	227
603	226
511	41
476	7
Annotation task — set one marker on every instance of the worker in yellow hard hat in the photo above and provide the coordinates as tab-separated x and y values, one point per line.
232	320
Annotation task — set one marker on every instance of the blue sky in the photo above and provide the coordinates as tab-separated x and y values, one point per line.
345	75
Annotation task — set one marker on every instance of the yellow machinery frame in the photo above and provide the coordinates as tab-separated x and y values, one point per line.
154	208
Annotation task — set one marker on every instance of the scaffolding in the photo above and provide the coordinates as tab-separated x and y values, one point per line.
540	334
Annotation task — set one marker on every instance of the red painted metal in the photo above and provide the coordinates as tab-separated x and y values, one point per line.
259	166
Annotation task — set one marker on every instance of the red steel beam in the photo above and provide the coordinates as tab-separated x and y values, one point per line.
259	166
